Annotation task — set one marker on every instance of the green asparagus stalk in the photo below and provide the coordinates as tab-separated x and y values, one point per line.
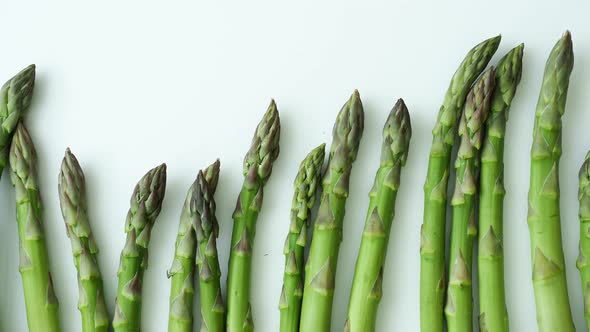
306	183
584	214
72	199
40	300
432	247
320	269
183	266
207	231
258	162
15	98
146	203
459	307
492	299
368	276
549	281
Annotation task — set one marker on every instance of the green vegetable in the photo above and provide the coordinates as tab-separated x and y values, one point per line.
72	199
320	270
432	246
368	276
146	203
258	162
306	183
584	214
15	98
40	300
549	281
459	307
492	299
183	266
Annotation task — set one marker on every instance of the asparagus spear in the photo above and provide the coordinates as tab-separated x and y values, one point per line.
368	276
15	98
549	282
183	266
40	300
492	301
146	203
432	246
72	199
258	162
320	270
584	214
207	231
459	307
304	198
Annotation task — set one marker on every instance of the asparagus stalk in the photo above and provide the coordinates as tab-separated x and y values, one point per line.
492	300
459	307
146	203
207	231
549	281
183	265
258	162
368	276
320	270
15	98
584	214
72	199
432	246
306	183
40	300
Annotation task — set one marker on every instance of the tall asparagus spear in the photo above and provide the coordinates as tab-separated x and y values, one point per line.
549	282
183	266
146	203
368	276
72	199
459	307
320	270
432	247
258	162
15	98
306	183
40	299
492	301
584	214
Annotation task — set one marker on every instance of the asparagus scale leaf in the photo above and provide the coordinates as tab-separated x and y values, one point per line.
320	270
306	185
432	246
145	206
549	281
183	266
492	298
72	198
258	162
40	300
368	275
459	306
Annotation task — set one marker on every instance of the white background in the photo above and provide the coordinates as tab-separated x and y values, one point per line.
128	85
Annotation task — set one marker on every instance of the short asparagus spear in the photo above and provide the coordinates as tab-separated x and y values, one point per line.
72	198
306	183
549	282
584	213
15	98
432	247
182	271
258	162
459	307
492	300
40	300
368	276
320	269
146	203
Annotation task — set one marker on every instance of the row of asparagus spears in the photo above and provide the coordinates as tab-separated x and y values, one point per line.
475	109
